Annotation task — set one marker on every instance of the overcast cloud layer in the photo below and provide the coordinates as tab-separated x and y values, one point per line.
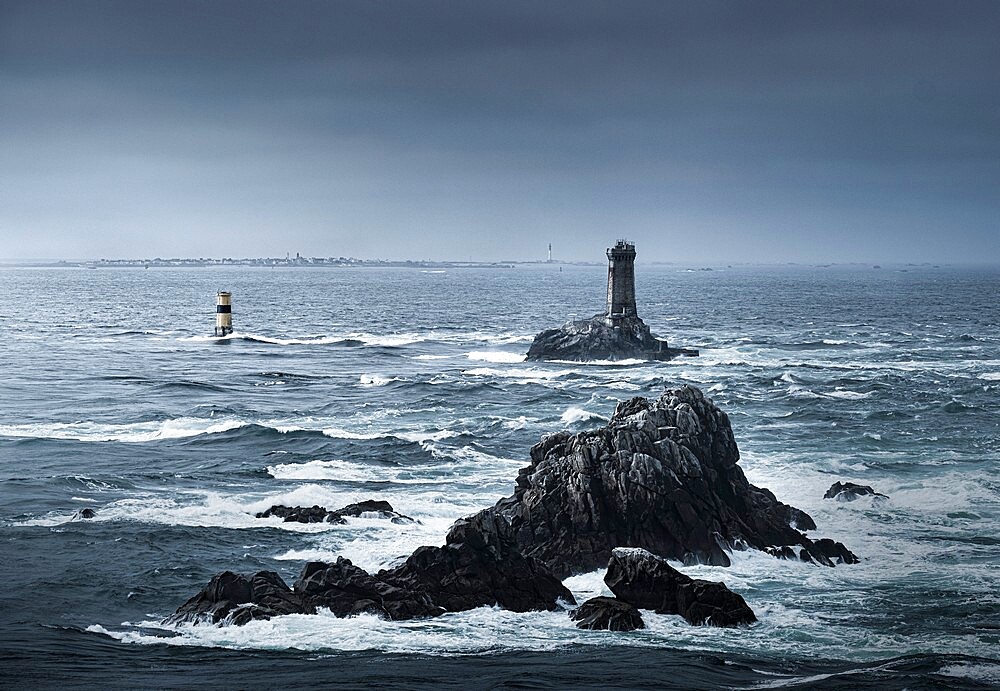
705	131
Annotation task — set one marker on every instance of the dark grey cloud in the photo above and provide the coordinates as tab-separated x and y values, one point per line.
707	131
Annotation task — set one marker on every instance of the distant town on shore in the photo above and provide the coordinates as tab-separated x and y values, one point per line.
297	260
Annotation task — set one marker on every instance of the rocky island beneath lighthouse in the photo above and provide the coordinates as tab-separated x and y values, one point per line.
616	334
660	481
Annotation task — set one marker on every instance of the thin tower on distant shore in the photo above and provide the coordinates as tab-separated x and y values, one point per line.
550	251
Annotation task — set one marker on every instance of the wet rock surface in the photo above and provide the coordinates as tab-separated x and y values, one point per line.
235	599
433	580
849	491
346	589
319	514
597	339
607	614
302	514
461	576
642	579
661	475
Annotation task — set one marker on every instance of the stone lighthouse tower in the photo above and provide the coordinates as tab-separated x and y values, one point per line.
621	282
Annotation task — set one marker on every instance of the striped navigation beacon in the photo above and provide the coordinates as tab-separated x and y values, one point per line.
223	313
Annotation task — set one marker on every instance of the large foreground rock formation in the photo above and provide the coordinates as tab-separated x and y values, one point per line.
662	475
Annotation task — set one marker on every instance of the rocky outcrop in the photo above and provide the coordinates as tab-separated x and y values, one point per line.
381	509
849	491
432	581
662	475
302	514
465	575
607	614
230	598
319	514
646	581
599	339
346	589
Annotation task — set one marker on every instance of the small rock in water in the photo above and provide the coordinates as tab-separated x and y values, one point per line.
644	580
607	614
382	508
319	514
849	491
299	514
84	514
231	598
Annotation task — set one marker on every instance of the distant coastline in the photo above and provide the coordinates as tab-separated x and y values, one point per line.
351	262
333	262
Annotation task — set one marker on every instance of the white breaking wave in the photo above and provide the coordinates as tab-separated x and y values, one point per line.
849	395
376	380
177	428
319	339
575	414
496	356
526	374
627	362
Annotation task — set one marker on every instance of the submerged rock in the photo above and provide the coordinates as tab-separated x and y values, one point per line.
849	491
598	338
84	514
661	475
319	514
607	614
640	578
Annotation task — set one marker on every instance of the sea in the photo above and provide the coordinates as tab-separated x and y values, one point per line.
409	385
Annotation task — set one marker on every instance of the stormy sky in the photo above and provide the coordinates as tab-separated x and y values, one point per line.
704	131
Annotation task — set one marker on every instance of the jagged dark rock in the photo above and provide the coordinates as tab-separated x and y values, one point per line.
84	514
433	580
302	514
607	614
849	491
319	514
598	339
640	578
347	589
661	475
230	598
382	508
464	576
833	551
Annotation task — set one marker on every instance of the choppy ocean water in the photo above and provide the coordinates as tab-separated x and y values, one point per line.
409	386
